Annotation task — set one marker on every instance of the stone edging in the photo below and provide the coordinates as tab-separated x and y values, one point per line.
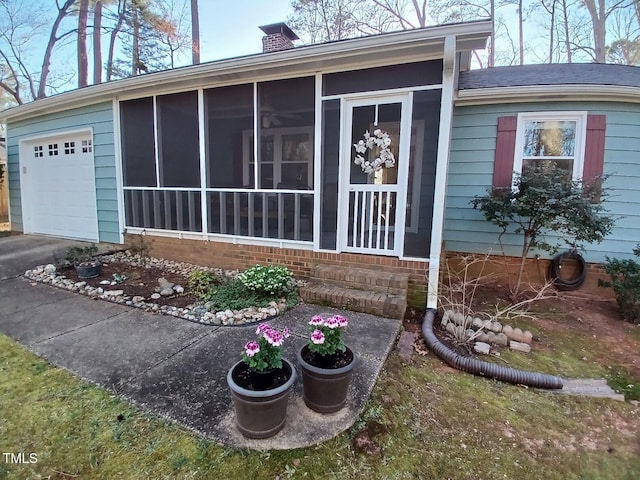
198	313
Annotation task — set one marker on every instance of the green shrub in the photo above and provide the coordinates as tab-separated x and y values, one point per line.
270	279
200	282
233	295
80	255
625	276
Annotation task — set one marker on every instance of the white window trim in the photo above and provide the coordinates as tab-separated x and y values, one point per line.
580	117
278	162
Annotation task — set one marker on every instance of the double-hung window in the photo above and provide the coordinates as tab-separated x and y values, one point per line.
551	139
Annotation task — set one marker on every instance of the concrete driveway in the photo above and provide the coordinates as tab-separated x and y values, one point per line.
19	253
174	368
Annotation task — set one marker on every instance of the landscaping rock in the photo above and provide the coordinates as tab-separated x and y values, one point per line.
49	268
166	292
501	339
114	293
477	323
508	331
105	282
137	299
164	284
483	337
405	345
178	289
519	346
155	296
482	347
495	327
458	318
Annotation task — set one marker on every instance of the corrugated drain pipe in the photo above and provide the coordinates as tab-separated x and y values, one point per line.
484	369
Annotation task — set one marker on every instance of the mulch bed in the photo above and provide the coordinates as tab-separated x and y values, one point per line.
140	281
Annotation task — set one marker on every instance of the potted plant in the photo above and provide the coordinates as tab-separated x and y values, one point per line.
326	364
82	258
260	384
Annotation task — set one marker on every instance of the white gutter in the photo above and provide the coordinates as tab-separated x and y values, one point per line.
410	45
542	93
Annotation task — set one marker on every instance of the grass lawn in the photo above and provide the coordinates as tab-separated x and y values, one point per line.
430	421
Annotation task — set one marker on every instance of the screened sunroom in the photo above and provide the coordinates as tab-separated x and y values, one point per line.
270	156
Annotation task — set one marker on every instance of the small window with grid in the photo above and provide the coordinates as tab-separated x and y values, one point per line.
86	146
69	148
38	151
53	149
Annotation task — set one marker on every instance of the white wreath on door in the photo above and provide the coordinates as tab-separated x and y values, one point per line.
384	158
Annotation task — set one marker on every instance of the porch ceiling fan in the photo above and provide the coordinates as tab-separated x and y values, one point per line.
270	117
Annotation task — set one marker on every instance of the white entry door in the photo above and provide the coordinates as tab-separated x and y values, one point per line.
373	197
58	186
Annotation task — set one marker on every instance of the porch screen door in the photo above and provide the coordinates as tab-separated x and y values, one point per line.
374	203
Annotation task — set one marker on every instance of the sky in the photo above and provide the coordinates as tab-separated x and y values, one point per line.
230	28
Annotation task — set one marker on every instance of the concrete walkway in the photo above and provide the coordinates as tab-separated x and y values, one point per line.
169	366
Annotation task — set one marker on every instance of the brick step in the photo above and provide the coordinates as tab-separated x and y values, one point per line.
376	303
361	279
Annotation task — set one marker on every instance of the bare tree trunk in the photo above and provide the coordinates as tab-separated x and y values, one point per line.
135	55
122	8
598	13
83	62
520	34
565	20
552	30
97	42
195	33
492	48
46	61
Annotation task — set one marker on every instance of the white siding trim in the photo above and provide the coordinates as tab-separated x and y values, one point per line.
117	149
317	159
203	161
217	237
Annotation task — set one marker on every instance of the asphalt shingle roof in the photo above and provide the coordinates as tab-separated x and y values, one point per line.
551	74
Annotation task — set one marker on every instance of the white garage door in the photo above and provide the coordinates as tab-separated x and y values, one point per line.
58	186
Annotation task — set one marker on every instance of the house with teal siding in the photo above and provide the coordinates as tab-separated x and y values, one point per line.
356	154
500	110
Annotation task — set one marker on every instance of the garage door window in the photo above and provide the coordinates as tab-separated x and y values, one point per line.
38	151
53	149
69	148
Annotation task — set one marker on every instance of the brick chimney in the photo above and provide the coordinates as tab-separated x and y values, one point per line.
278	37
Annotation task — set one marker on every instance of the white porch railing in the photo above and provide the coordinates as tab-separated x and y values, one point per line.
265	213
163	208
277	214
371	223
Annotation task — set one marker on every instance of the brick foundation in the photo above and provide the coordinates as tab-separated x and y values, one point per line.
300	262
536	272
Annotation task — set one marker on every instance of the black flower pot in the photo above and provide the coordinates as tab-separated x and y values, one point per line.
88	270
325	389
260	413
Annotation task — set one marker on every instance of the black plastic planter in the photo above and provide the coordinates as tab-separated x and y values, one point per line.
261	413
88	270
325	389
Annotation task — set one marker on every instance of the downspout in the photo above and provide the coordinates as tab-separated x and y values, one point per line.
482	368
449	66
453	359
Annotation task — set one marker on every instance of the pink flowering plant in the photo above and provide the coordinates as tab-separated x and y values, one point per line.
266	352
326	335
